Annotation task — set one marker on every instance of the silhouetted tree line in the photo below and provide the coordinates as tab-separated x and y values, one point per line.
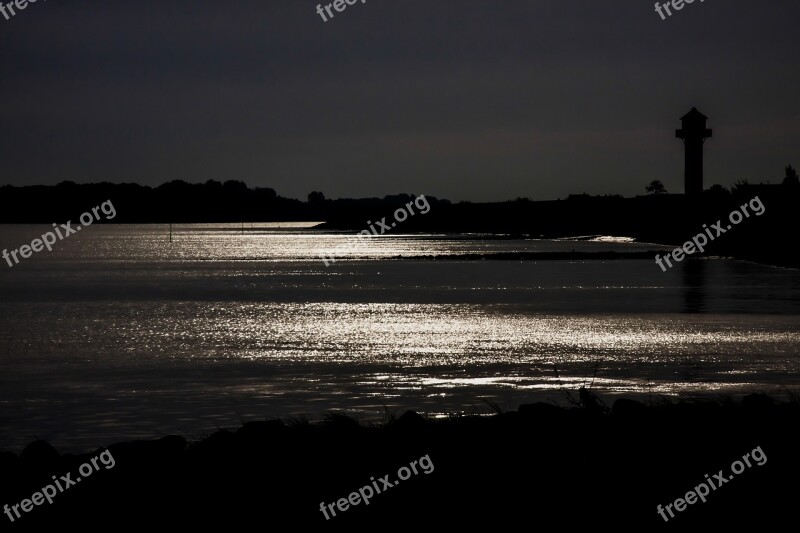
178	202
658	217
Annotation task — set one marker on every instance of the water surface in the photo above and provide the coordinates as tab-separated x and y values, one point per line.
119	334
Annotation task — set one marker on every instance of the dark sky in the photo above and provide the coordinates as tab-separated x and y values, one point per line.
464	99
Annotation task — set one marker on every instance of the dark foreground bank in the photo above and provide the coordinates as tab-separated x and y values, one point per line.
542	468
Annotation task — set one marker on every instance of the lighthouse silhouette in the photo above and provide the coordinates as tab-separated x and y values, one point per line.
693	133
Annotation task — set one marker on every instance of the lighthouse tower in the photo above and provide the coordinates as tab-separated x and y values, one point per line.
693	133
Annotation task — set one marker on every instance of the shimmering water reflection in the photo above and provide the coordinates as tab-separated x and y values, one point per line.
119	335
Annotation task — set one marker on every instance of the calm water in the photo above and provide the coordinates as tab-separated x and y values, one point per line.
119	334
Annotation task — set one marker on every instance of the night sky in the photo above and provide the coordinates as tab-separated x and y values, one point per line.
466	99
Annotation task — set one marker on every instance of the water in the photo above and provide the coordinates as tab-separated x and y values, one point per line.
118	334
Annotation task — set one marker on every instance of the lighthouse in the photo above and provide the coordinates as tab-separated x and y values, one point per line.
693	133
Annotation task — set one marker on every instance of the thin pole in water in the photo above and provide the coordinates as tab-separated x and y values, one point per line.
170	232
